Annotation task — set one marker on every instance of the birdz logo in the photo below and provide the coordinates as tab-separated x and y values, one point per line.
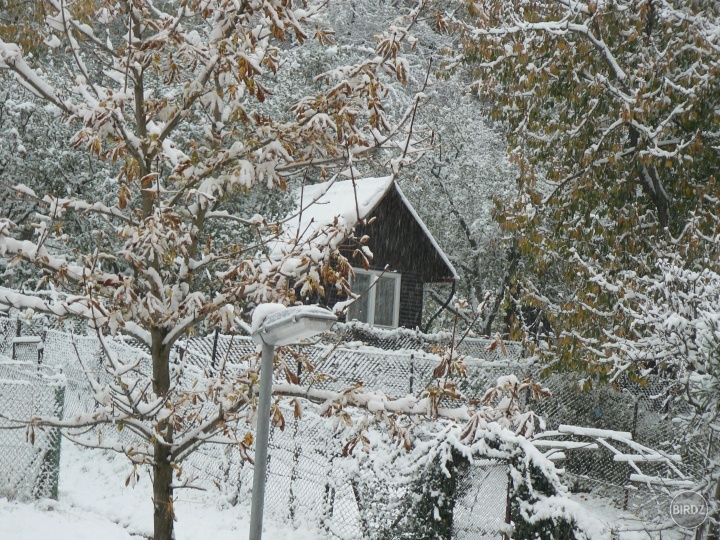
689	509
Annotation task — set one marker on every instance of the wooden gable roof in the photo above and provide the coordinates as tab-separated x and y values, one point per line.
398	237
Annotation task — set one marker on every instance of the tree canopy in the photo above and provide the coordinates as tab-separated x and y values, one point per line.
177	100
611	111
612	114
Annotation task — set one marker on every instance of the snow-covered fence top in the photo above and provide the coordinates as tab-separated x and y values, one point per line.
404	339
12	327
350	334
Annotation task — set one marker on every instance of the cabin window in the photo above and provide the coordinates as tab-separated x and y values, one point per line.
379	304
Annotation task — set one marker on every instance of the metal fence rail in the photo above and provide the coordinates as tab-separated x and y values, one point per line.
639	409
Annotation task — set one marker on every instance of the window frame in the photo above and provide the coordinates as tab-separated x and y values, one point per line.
372	291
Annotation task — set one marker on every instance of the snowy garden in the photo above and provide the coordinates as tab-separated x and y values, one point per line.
360	269
607	482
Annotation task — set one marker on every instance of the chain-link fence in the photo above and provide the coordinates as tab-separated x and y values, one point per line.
311	478
29	457
644	410
12	327
18	325
624	406
309	475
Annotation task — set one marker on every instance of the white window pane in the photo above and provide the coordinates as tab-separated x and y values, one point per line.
385	301
359	309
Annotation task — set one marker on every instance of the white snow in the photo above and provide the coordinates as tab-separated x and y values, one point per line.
339	203
565	444
283	316
26	340
22	188
327	212
50	519
94	503
550	507
661	481
593	432
624	524
262	311
348	200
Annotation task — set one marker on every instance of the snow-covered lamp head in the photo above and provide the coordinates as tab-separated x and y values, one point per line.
283	326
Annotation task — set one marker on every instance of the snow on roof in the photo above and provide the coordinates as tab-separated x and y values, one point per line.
349	201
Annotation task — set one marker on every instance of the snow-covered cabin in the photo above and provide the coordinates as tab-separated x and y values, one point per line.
399	241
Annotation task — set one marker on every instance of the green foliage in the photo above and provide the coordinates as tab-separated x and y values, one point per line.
21	22
430	502
611	116
533	482
538	507
522	493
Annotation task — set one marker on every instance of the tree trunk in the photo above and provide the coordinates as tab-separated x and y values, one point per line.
163	516
714	517
513	256
163	513
649	179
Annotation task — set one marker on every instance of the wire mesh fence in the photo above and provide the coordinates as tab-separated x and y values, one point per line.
29	457
310	478
12	327
640	409
481	487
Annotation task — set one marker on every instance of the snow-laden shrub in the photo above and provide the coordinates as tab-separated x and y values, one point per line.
422	487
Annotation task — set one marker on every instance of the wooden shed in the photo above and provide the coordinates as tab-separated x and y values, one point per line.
405	254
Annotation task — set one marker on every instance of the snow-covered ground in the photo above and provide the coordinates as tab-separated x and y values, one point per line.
625	525
95	504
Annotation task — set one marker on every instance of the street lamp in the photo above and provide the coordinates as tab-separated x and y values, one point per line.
282	327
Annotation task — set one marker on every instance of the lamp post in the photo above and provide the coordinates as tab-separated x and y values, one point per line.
279	328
